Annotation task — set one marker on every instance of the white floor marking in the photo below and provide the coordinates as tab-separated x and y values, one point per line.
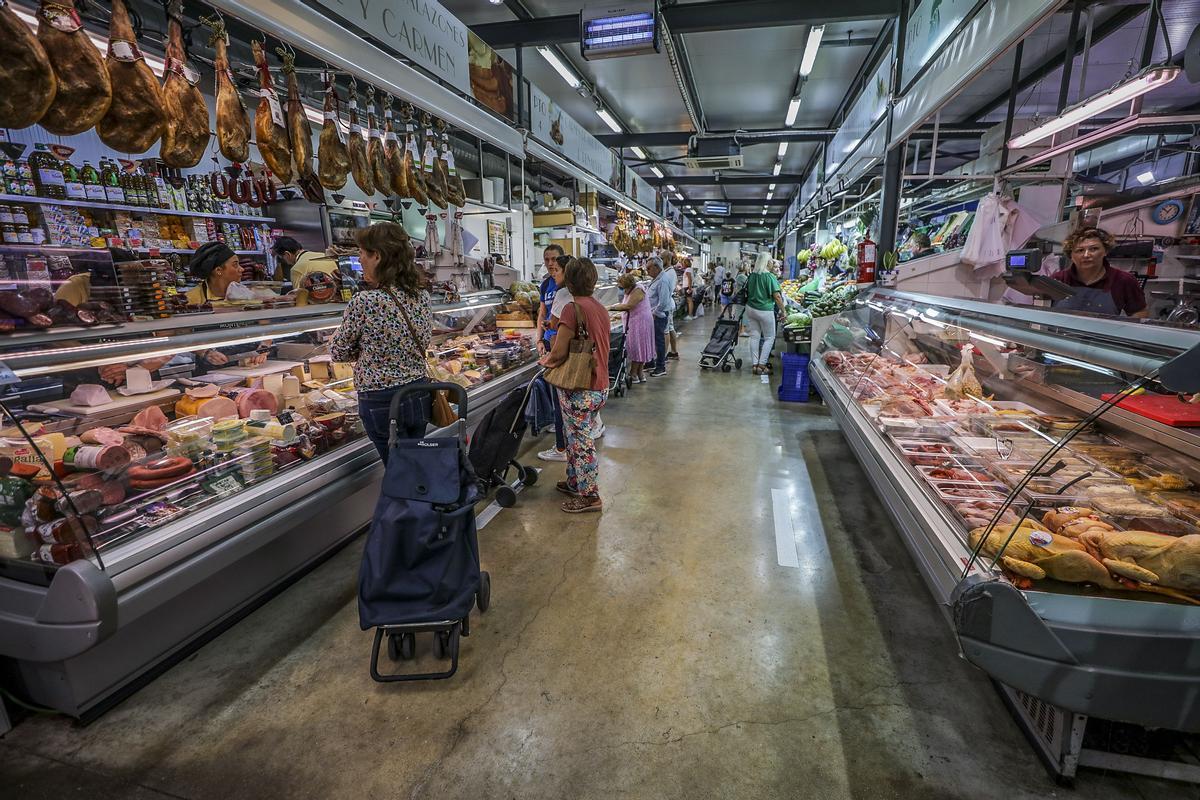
487	515
785	536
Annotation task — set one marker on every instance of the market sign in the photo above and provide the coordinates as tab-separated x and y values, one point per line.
868	108
929	26
424	31
560	132
637	190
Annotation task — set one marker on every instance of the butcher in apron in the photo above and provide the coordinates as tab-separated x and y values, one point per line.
1099	287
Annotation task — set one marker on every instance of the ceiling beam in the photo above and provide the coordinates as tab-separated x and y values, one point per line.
749	201
721	15
724	180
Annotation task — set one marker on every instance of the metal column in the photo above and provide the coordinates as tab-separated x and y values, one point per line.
893	159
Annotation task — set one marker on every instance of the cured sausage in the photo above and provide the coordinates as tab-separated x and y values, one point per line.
186	134
233	123
27	82
299	129
391	152
360	165
135	119
333	159
379	171
167	468
270	126
84	89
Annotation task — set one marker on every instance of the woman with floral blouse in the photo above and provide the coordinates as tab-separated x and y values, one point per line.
385	331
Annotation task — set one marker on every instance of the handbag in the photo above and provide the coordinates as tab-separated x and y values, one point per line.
578	370
441	413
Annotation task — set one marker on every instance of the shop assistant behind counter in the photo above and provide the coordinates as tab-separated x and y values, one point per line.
1100	288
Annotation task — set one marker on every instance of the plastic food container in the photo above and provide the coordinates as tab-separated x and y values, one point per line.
1182	504
928	452
1127	506
957	471
956	492
1147	478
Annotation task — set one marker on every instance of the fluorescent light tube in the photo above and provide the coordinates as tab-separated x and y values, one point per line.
810	49
609	120
1145	81
770	195
640	153
792	111
678	196
671	188
562	69
778	168
1146	177
657	172
771	188
783	148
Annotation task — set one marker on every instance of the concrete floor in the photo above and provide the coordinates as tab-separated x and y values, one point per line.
657	651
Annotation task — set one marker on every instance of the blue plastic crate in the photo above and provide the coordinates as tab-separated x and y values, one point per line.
794	386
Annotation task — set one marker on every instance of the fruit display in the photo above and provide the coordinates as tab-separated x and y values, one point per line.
833	301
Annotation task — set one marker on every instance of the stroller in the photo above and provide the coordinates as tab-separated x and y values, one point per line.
718	353
420	567
619	375
494	446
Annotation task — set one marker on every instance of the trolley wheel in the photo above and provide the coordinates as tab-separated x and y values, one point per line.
506	497
402	646
726	368
483	597
393	640
628	380
529	476
441	644
737	362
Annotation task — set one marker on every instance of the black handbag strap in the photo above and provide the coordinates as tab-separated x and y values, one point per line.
412	329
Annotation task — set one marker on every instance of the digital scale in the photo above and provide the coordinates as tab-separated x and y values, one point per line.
1020	274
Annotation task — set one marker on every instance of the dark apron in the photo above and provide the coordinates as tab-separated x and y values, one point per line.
1093	301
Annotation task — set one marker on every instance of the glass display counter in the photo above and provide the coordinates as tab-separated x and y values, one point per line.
1043	470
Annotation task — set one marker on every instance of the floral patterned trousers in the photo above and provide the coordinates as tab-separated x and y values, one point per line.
580	409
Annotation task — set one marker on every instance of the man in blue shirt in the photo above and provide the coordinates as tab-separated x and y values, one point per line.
546	292
662	306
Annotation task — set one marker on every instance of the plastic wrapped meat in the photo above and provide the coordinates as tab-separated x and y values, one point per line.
150	417
90	394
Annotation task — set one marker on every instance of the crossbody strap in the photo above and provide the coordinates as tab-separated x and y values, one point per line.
579	322
412	330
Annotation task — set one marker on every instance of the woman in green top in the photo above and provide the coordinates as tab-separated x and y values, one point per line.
763	296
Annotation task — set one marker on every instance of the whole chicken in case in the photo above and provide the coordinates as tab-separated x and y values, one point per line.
84	90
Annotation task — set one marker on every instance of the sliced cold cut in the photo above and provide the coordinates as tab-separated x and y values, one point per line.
218	407
333	159
135	119
360	165
186	134
299	129
84	90
250	399
101	436
150	418
270	125
27	82
90	394
233	123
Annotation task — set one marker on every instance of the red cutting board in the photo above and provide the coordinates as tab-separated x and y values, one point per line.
1165	408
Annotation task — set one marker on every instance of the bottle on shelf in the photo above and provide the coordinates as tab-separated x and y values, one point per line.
47	173
161	197
91	183
72	182
8	232
110	178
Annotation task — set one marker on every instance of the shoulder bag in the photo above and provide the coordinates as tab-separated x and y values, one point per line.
442	414
578	370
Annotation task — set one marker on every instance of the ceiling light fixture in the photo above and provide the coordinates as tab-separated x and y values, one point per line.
810	49
783	148
640	153
793	111
1145	81
770	195
771	188
609	120
1146	177
671	188
658	173
778	168
561	68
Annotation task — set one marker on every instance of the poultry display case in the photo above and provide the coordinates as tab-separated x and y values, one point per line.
1042	469
165	525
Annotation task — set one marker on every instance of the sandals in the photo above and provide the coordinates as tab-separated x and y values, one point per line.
566	489
583	505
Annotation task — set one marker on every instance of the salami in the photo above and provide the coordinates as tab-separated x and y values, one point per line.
360	165
186	134
135	119
233	124
270	125
333	159
299	129
84	91
27	82
164	468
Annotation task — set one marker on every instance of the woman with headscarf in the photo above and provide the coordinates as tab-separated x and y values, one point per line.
216	266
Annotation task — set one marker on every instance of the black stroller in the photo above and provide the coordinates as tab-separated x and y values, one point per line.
620	377
718	353
494	446
420	565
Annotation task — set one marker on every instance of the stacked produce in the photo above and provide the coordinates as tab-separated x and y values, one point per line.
1101	513
833	301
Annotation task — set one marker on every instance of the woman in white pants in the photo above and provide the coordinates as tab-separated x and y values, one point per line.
763	296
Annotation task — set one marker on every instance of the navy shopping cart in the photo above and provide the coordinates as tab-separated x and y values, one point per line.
495	443
719	352
420	566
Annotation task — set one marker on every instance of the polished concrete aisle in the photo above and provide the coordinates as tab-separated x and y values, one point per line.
661	650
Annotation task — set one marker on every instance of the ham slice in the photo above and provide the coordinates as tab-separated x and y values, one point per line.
90	394
150	418
102	436
218	408
204	390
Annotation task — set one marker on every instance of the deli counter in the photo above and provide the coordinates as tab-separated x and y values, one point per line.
1043	469
138	520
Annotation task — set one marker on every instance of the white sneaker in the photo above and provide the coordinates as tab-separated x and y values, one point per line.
600	428
552	454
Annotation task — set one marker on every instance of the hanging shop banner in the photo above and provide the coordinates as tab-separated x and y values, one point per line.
808	189
929	26
424	31
559	131
639	191
993	29
868	108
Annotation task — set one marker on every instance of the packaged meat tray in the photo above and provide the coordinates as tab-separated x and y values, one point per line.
1149	478
978	513
1128	505
928	453
952	492
957	471
1185	505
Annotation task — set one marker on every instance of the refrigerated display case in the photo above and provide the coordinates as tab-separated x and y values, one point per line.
1048	500
173	512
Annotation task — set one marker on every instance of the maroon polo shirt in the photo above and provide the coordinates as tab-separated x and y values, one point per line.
1126	292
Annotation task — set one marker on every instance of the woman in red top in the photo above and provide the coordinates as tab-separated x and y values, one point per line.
581	407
